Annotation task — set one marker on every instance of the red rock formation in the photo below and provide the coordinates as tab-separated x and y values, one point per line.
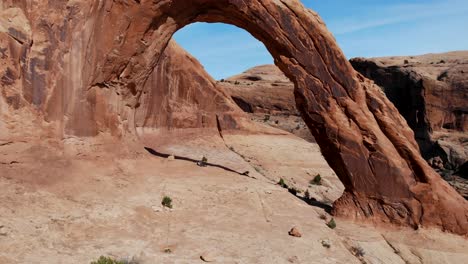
262	89
90	61
431	92
180	94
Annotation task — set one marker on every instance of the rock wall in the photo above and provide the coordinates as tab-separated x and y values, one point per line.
84	67
46	68
431	92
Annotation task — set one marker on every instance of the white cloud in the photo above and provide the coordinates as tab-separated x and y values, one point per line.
397	13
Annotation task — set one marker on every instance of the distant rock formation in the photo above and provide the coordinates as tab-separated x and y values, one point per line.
262	89
80	68
268	96
431	92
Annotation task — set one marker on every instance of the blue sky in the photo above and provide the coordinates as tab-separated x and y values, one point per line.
363	28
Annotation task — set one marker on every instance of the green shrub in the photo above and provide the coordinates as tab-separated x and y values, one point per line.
283	184
332	224
167	202
317	180
107	260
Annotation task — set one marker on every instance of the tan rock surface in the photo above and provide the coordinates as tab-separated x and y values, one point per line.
62	205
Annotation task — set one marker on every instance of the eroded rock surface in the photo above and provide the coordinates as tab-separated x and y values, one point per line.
431	92
85	69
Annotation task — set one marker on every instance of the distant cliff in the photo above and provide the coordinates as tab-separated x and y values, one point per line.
431	92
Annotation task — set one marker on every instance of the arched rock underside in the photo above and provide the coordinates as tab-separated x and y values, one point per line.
90	55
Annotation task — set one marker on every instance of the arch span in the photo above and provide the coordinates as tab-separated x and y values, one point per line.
361	134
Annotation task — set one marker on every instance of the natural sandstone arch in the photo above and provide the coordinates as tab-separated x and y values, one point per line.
90	59
361	134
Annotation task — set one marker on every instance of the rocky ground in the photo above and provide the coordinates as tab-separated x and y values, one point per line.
61	204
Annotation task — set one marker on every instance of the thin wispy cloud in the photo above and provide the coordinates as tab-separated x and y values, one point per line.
395	13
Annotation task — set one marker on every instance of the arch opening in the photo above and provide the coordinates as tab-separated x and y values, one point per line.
263	93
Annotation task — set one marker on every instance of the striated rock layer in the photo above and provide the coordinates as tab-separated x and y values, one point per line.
431	92
83	67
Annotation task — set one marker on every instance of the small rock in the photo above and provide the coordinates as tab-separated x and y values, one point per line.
207	257
293	259
326	243
171	157
295	232
3	231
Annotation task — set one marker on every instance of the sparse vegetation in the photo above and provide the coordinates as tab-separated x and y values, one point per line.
167	251
266	118
317	180
307	195
203	162
358	251
167	202
332	224
283	184
107	260
236	83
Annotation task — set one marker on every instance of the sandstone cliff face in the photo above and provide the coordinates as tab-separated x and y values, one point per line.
431	92
45	66
180	94
84	65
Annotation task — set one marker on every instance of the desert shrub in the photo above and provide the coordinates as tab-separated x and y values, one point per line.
266	118
167	202
107	260
307	195
323	216
236	82
283	184
406	62
317	180
332	224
